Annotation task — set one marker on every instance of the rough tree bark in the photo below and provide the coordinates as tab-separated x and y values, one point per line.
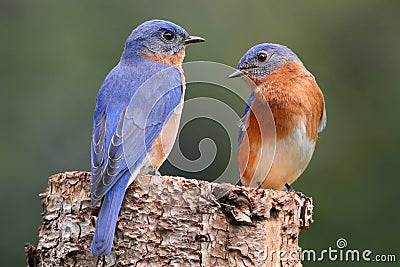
172	221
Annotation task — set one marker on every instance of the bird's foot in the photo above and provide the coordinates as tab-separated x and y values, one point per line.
301	195
155	172
288	188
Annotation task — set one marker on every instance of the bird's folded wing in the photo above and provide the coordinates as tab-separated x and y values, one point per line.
136	127
322	122
245	118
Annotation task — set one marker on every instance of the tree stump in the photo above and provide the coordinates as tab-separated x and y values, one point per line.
173	221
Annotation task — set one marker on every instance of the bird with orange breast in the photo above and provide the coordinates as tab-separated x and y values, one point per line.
136	118
282	118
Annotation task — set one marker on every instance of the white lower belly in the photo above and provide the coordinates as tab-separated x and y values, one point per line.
283	161
289	163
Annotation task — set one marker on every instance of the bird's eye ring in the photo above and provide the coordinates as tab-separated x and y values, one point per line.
168	36
262	56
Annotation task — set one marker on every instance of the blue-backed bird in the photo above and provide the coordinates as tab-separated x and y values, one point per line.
296	103
136	118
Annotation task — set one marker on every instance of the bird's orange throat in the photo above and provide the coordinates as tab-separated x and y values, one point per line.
175	59
293	96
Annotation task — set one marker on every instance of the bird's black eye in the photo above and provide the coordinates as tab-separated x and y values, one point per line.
168	35
262	56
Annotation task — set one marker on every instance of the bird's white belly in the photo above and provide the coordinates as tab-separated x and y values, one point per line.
290	156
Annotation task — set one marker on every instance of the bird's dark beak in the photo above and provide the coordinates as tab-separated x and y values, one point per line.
194	39
236	73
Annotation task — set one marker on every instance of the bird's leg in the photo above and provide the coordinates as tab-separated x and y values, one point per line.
288	188
259	185
301	195
154	172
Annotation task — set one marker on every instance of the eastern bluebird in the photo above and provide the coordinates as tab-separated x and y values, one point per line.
297	105
136	118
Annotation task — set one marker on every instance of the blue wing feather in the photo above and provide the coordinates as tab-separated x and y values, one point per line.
129	115
131	109
242	128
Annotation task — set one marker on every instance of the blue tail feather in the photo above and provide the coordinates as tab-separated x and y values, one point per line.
108	216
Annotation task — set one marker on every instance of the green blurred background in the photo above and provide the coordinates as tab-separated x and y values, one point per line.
55	54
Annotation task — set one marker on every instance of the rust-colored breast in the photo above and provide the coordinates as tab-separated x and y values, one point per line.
293	95
164	142
249	150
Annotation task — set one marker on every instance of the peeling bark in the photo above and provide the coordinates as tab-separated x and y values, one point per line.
172	221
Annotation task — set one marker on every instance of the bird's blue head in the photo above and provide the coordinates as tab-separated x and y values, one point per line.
263	59
157	37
